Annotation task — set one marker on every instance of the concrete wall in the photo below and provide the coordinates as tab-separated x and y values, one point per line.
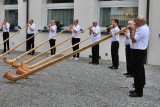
154	44
85	11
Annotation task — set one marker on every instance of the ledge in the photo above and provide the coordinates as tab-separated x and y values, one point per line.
46	31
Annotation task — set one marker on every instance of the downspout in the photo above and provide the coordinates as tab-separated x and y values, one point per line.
27	17
147	21
148	8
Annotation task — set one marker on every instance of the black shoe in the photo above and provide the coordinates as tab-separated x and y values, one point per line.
95	63
32	53
135	95
133	85
132	91
110	67
126	74
91	62
114	67
129	76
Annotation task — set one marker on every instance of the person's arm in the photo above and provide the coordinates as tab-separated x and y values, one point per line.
53	28
133	32
97	31
127	34
32	27
74	29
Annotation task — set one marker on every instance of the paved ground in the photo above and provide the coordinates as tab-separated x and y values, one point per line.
77	84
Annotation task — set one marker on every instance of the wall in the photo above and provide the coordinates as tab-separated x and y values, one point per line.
154	51
86	11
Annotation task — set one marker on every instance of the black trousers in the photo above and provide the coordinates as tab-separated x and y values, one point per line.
95	54
6	36
30	43
52	43
128	60
74	41
114	53
138	69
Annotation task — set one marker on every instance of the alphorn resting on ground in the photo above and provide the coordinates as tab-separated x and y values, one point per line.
15	64
5	60
25	66
19	44
11	77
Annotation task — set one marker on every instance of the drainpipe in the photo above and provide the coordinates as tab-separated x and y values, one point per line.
148	8
27	17
147	21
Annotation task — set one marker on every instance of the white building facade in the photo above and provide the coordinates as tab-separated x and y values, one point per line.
64	11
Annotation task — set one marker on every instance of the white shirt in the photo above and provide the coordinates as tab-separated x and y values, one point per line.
113	31
127	39
78	29
141	37
96	30
4	27
33	26
52	31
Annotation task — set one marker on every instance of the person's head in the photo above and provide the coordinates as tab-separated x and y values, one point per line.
52	22
95	23
115	22
131	22
76	21
30	21
140	21
5	20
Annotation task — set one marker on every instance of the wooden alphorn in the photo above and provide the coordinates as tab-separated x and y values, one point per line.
13	78
37	64
25	68
19	44
12	35
14	64
24	54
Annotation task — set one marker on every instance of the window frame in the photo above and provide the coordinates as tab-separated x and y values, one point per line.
58	6
11	7
109	4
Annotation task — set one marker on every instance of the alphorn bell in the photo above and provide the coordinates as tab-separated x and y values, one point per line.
20	44
12	35
32	58
13	61
38	63
11	77
28	68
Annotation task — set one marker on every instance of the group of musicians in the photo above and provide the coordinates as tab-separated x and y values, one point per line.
136	42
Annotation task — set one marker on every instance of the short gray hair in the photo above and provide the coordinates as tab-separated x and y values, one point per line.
141	18
131	22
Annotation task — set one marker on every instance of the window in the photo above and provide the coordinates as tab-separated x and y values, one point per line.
63	16
122	13
12	16
60	1
123	10
10	2
62	11
11	13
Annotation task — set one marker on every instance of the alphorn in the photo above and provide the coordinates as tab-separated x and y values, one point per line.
24	54
14	64
12	35
11	77
20	44
38	63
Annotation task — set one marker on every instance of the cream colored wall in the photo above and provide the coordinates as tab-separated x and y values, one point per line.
85	11
154	24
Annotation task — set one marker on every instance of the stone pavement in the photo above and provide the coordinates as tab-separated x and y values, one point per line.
77	84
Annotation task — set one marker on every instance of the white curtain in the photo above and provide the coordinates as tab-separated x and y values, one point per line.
64	16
